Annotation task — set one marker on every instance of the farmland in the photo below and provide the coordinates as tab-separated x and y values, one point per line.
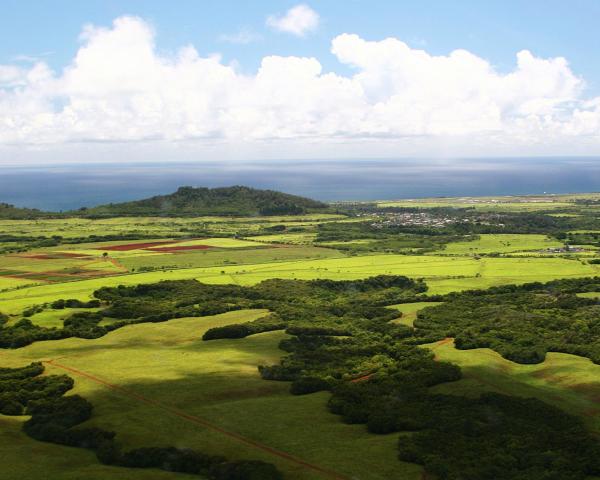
159	384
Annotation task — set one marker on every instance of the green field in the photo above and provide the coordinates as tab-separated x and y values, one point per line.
499	243
171	388
217	381
442	274
567	381
410	310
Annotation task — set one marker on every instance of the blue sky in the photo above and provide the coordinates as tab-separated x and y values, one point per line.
40	43
492	29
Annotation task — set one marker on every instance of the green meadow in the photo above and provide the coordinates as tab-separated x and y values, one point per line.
215	381
566	381
160	384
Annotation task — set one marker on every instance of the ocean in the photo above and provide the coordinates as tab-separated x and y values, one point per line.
65	187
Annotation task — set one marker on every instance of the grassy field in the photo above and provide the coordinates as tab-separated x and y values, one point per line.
410	310
229	256
60	463
290	238
215	381
499	243
145	226
566	381
442	274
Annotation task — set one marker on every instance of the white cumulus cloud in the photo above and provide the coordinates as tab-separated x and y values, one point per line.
120	88
298	20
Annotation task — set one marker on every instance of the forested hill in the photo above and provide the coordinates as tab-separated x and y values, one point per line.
237	200
11	212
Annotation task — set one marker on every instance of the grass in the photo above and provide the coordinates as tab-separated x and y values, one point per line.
410	310
159	226
501	243
10	282
290	238
217	381
60	463
229	256
589	295
220	242
442	274
54	318
566	381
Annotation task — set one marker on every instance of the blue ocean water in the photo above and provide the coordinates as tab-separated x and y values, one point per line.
63	187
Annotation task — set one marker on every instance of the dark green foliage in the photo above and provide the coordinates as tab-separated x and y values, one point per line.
190	201
245	470
389	239
496	437
521	323
171	459
304	385
74	303
228	331
3	319
15	213
265	324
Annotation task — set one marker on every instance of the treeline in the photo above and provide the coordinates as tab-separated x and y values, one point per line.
521	323
55	418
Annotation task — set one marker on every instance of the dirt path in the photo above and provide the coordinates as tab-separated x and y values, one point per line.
200	421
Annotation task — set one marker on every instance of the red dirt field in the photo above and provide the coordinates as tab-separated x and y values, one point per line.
179	249
134	246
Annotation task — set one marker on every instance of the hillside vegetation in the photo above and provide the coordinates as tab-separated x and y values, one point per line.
237	200
15	213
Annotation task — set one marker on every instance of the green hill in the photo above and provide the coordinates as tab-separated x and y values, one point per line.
15	213
193	201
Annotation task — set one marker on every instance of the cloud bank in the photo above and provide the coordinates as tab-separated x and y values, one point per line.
119	88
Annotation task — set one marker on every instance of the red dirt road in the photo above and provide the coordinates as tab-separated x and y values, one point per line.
202	422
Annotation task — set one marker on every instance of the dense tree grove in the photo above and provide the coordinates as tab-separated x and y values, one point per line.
237	200
56	418
521	323
342	340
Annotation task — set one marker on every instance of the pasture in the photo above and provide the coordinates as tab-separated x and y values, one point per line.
566	381
216	382
501	243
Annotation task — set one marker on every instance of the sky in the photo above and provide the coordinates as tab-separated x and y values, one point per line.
233	80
